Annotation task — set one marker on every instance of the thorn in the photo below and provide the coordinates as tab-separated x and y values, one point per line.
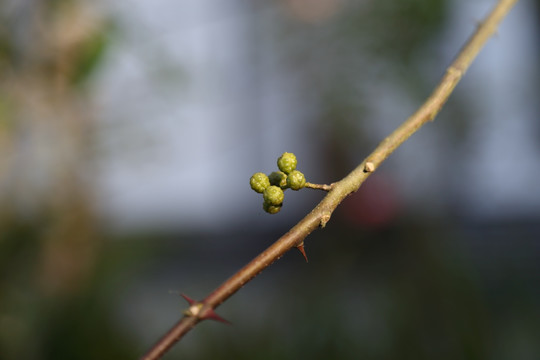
188	299
302	250
211	315
195	310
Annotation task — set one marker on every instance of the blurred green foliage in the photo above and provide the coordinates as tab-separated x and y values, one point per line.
408	291
73	325
90	54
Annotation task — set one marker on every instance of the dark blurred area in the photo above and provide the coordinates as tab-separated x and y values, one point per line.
129	131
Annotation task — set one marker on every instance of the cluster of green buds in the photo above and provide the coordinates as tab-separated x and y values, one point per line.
272	186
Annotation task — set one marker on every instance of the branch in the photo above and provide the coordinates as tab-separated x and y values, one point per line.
338	191
319	186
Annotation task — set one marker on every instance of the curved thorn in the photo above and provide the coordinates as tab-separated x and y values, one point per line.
302	250
211	315
188	299
195	308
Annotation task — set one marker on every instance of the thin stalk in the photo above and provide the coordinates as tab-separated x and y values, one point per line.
319	186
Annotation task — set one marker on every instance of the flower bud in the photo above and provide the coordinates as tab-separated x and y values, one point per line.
287	162
278	178
259	181
273	195
271	209
296	180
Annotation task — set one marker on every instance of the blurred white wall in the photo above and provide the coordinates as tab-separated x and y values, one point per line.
193	99
192	104
500	167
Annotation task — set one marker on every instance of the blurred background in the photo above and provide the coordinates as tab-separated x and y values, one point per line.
128	133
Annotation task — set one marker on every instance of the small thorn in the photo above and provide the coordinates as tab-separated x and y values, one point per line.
195	308
188	299
302	250
211	315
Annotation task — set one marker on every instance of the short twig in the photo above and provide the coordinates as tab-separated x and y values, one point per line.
319	186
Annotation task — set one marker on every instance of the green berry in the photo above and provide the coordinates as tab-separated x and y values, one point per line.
259	181
287	162
278	178
296	180
271	209
273	195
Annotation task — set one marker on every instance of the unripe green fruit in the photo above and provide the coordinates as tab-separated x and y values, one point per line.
278	178
259	181
287	162
273	195
271	209
296	180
